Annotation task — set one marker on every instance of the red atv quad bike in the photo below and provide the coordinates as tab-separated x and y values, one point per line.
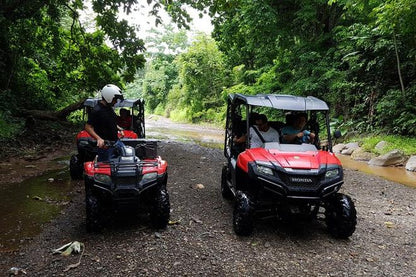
289	181
87	150
134	180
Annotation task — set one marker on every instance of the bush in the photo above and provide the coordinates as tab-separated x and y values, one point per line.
396	113
9	126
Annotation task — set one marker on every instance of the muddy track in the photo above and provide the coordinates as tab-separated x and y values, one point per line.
202	242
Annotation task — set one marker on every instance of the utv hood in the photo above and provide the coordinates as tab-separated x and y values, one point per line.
304	158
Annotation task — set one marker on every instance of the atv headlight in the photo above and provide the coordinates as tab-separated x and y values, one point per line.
264	170
103	178
149	176
83	143
332	173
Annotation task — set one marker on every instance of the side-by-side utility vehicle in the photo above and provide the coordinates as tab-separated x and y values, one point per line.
290	181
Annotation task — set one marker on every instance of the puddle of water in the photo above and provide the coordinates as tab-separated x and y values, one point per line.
25	206
395	174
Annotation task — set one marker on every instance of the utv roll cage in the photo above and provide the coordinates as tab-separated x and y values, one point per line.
274	101
136	107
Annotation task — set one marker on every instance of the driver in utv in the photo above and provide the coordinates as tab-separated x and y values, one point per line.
294	132
102	122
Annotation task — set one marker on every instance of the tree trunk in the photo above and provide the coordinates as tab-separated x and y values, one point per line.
53	115
398	62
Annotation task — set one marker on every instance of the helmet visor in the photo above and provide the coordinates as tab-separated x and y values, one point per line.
119	96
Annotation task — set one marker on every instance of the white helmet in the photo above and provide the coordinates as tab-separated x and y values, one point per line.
109	92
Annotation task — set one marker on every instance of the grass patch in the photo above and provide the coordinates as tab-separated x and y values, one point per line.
405	144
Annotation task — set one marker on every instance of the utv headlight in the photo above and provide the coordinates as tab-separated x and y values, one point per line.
102	178
264	170
149	176
332	173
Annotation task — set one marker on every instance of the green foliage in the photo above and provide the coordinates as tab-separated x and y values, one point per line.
161	72
180	115
48	60
355	55
359	56
76	116
9	127
396	114
201	78
405	144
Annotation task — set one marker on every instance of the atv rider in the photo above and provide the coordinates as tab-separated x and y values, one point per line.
102	121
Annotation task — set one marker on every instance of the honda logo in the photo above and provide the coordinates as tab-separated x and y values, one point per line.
301	180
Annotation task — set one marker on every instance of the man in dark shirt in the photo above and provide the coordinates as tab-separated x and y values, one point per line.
102	121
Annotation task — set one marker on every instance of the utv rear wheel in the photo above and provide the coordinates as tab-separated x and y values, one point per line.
225	190
243	216
160	213
93	213
75	167
341	216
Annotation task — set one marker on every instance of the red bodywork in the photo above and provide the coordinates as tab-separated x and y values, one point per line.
104	168
295	160
127	134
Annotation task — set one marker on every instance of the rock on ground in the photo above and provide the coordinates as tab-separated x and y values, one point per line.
361	155
394	157
411	164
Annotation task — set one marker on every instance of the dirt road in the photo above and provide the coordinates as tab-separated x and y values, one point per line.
202	242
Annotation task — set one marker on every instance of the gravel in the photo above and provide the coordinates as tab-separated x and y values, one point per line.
201	242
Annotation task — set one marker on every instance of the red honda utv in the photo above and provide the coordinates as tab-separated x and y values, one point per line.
291	181
86	145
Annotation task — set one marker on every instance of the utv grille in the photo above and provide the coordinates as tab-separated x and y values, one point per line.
126	181
301	183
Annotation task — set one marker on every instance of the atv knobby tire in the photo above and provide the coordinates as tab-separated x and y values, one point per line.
160	211
243	215
75	167
341	216
93	213
225	190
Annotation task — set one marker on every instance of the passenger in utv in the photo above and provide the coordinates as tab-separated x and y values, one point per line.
124	120
294	131
261	132
239	134
102	122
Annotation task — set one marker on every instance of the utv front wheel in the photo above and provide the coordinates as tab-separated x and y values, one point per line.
225	190
160	213
93	213
341	216
243	216
75	167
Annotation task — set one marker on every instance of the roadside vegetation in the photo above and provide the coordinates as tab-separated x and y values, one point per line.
359	56
405	144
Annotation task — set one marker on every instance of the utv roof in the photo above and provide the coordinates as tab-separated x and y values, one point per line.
282	102
91	102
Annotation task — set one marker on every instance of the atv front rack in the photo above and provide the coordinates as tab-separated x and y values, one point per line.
120	165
